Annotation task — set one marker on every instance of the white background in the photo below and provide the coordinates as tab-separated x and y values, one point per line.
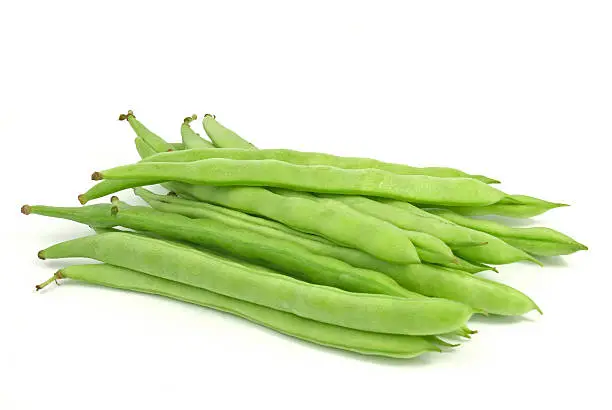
519	91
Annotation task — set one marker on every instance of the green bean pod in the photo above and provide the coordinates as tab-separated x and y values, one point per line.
537	240
319	178
222	136
331	220
375	313
515	206
407	216
315	158
358	341
287	257
481	294
191	139
154	140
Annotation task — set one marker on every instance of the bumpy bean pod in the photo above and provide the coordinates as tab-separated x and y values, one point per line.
331	220
314	158
407	216
222	136
375	313
358	341
537	240
290	258
484	295
192	139
322	179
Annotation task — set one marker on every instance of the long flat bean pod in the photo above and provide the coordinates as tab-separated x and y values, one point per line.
375	313
536	240
287	257
315	158
318	178
336	222
328	219
192	139
407	216
481	294
358	341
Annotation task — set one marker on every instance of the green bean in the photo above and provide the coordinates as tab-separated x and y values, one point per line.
537	240
191	139
487	296
321	179
221	136
290	258
407	216
329	219
316	332
333	221
375	313
479	293
522	206
151	138
314	158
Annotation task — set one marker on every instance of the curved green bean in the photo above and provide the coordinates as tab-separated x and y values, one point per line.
407	216
314	158
375	313
333	221
192	139
358	341
287	257
321	179
154	140
487	296
329	219
537	240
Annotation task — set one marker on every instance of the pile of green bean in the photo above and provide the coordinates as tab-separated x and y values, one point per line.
351	253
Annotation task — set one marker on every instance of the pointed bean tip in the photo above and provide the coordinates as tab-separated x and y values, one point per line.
26	209
41	255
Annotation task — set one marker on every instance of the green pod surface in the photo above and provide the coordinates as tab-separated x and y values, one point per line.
222	136
470	267
407	216
315	158
375	313
287	257
177	146
154	140
320	179
515	206
536	240
191	139
325	218
358	341
484	295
